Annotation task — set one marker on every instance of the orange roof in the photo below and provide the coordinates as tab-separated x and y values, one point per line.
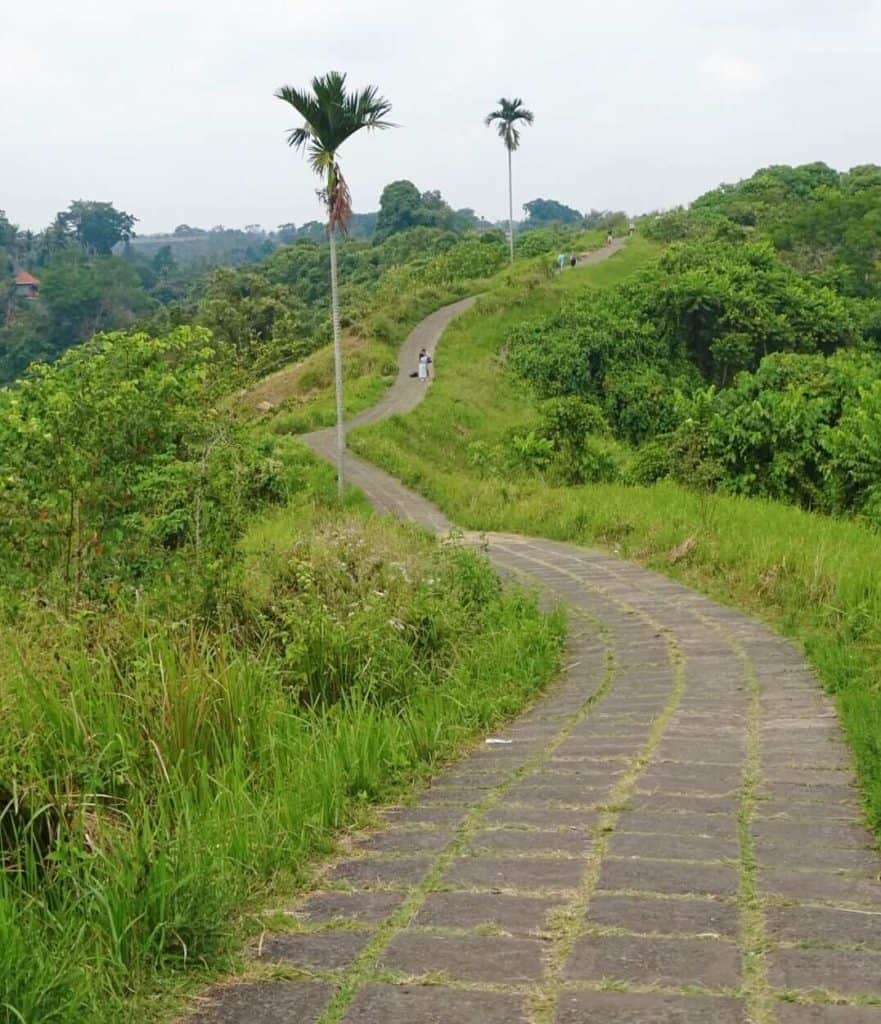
23	277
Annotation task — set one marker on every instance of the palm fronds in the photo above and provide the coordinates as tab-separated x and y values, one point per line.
330	116
509	114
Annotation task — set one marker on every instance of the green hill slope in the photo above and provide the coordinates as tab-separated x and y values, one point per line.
475	447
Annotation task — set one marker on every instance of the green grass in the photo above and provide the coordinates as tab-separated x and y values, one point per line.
191	770
306	392
813	578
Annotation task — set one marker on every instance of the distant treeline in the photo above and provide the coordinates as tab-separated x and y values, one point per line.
96	275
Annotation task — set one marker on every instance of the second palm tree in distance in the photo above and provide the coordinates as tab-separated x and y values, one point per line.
330	116
509	115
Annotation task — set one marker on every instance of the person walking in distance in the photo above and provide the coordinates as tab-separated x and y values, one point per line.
424	362
561	261
573	259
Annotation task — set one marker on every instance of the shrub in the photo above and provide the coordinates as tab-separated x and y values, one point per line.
651	462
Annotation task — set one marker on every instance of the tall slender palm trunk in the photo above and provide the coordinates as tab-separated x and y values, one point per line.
510	209
337	364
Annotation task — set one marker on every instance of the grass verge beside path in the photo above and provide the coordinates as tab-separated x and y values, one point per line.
813	578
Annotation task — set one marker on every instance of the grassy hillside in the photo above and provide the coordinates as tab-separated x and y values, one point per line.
208	666
813	577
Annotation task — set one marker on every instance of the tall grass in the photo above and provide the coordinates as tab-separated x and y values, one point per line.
161	776
814	578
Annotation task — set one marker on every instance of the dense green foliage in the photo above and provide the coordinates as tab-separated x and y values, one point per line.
403	206
83	287
549	211
97	227
824	223
722	364
114	458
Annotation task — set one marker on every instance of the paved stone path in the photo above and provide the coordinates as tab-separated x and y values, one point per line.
671	836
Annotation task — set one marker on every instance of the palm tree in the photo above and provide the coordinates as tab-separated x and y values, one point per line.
509	115
330	116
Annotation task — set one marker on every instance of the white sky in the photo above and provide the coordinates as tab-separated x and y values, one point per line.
165	107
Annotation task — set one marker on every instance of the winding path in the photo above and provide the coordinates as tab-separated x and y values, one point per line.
671	836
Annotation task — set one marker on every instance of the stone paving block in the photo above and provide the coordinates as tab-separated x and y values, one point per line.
433	1004
685	824
447	795
827	925
810	778
794	811
688	916
325	950
628	1008
712	963
647	799
675	877
425	815
830	858
574	795
596	774
805	757
517	840
808	794
524	873
826	833
474	779
682	751
820	885
799	1013
539	817
266	1002
407	840
590	749
465	958
629	844
691	778
368	907
519	915
373	871
849	973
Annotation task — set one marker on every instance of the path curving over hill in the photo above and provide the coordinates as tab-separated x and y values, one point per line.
671	836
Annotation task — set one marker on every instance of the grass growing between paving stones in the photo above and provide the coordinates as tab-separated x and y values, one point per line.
814	578
567	923
365	967
165	780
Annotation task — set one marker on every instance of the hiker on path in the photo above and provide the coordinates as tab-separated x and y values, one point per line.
573	259
609	237
424	360
561	260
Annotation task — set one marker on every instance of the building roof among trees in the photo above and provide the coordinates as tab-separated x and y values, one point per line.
23	277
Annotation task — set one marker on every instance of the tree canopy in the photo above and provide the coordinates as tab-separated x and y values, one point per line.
549	211
98	227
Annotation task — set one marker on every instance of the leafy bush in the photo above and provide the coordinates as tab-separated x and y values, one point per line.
641	403
115	455
784	353
652	461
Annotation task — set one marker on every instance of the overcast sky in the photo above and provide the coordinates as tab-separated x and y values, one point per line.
165	107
